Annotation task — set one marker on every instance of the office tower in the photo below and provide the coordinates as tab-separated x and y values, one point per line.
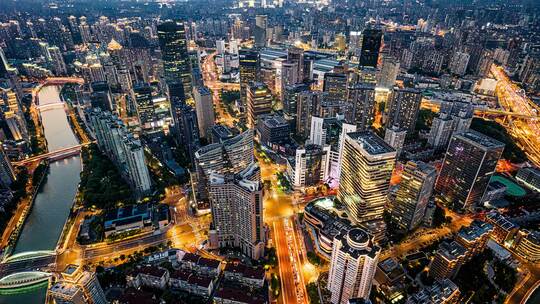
57	60
290	103
458	63
447	260
528	245
187	128
7	175
468	165
144	106
353	265
474	238
296	55
441	129
126	152
310	166
273	129
230	156
371	43
204	107
335	84
176	63
237	211
386	78
403	107
289	76
259	102
366	168
412	197
361	106
308	102
248	61
77	286
261	23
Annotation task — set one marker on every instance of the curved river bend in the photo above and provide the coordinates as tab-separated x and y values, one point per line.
55	198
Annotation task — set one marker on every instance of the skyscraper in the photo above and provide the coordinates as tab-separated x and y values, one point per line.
403	108
361	106
371	43
259	102
144	106
335	84
237	211
413	195
248	70
468	165
367	164
205	110
296	55
187	128
447	260
290	102
386	78
353	266
261	23
175	57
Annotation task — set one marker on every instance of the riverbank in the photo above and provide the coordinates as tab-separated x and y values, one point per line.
27	208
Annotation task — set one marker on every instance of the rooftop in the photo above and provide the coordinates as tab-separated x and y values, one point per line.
371	142
480	139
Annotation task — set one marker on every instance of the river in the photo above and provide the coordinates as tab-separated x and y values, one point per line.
55	198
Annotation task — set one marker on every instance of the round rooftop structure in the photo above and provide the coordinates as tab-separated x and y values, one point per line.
358	238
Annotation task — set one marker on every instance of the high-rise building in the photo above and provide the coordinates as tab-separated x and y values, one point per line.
7	175
126	152
440	292
395	137
310	166
447	260
361	106
367	163
187	128
412	197
4	65
205	110
261	23
386	78
248	61
403	108
273	129
144	106
353	265
237	211
259	102
232	155
335	84
371	43
308	102
175	57
296	55
77	286
468	165
290	102
57	60
440	132
458	63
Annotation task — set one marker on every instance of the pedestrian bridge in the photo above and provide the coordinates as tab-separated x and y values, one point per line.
29	255
23	279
